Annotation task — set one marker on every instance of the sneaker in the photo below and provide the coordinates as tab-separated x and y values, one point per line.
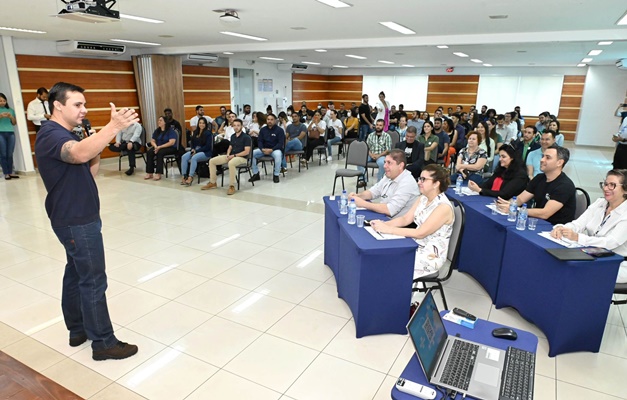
283	170
130	171
361	184
78	340
323	158
330	158
231	190
120	351
254	178
275	179
209	185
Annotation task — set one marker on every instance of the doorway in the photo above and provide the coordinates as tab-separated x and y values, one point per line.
243	89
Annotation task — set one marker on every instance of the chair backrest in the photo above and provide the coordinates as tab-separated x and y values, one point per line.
583	201
395	136
357	154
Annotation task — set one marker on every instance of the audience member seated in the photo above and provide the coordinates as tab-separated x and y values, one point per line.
472	159
379	145
508	179
294	137
221	119
555	127
543	121
414	152
443	141
487	143
315	134
200	113
129	140
172	122
447	126
533	158
433	215
552	191
604	223
259	120
402	127
338	129
417	120
397	190
352	124
503	130
271	142
527	143
162	144
201	149
461	133
236	154
430	141
222	138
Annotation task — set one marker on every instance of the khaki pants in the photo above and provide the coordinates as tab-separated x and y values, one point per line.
220	160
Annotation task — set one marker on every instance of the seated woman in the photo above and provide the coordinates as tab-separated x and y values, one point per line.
509	179
433	215
259	121
162	144
604	223
472	159
352	124
315	135
201	149
559	137
402	127
487	143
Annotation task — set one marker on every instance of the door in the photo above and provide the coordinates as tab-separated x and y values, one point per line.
243	85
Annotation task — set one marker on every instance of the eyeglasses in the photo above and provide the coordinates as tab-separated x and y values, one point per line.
421	179
609	185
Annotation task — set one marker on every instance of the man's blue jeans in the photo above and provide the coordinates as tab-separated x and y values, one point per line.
276	154
293	145
83	300
364	130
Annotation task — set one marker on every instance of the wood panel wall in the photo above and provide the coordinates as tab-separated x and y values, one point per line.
451	91
104	81
316	89
209	87
570	105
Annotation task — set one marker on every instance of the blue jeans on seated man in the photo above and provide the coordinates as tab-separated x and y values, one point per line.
293	145
331	142
276	154
380	161
193	160
83	300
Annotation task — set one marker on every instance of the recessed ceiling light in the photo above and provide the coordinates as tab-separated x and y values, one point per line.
607	43
442	47
4	28
298	28
399	54
385	62
408	65
487	65
335	3
521	51
581	65
310	62
135	42
622	20
532	63
271	58
340	66
142	19
227	53
398	28
354	56
476	60
166	36
595	52
586	60
502	16
241	35
321	50
458	54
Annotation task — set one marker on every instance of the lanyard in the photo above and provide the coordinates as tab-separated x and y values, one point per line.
604	219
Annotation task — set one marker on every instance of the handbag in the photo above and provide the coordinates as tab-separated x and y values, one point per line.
330	133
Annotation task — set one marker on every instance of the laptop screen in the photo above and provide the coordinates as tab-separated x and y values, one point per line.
427	333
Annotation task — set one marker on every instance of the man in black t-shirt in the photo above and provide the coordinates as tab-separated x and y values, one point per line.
553	192
414	152
68	168
366	123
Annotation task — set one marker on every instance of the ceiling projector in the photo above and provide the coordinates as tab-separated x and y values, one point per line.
94	11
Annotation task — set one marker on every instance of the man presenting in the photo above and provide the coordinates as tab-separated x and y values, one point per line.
397	190
68	168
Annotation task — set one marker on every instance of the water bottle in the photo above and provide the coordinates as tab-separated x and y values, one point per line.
344	203
512	210
458	184
521	222
352	212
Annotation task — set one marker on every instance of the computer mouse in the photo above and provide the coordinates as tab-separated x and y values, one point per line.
505	333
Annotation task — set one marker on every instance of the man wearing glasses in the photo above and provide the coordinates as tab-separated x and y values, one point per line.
397	189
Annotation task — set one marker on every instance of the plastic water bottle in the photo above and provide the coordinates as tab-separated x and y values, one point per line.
344	203
512	210
352	212
521	222
458	184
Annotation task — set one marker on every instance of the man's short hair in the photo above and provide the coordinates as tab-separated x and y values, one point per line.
552	132
271	115
246	105
545	114
456	115
437	119
41	91
330	103
460	106
166	110
364	95
461	114
411	129
535	130
199	107
562	153
500	117
59	92
379	120
398	155
238	120
513	114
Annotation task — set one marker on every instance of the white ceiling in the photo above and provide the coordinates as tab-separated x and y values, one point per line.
536	32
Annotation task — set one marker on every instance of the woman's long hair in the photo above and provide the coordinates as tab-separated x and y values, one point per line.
514	166
201	134
5	99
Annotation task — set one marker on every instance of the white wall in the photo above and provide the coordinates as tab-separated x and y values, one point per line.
281	81
604	89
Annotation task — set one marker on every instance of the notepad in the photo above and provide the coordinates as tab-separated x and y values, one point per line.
382	236
564	242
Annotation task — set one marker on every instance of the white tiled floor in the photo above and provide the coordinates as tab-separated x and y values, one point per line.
228	297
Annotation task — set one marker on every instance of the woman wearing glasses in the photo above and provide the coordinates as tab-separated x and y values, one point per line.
433	215
604	223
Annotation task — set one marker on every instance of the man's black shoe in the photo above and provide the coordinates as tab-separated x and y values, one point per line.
120	351
361	184
78	340
254	178
130	171
275	179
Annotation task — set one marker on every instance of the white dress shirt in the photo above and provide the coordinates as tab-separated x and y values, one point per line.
399	194
36	110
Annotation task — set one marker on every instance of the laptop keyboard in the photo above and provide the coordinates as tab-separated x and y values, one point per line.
460	363
518	374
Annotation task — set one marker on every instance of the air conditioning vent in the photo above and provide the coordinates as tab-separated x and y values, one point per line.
80	47
202	58
291	67
622	64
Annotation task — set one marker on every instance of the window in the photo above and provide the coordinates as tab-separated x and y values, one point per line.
410	91
534	94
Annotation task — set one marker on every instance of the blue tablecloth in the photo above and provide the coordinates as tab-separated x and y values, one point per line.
483	242
482	333
375	280
568	300
450	193
332	230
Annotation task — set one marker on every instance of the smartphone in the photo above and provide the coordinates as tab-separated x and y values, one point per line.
366	222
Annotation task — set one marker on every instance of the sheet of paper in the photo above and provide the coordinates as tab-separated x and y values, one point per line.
382	236
467	192
492	206
564	242
361	208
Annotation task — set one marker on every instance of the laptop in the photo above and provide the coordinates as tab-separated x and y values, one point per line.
477	372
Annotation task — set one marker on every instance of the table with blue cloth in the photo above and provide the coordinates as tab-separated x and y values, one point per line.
482	333
568	300
375	279
332	230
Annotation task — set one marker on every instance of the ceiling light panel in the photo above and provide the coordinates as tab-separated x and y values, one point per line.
475	60
595	52
241	35
442	47
606	43
136	42
272	58
321	50
310	62
458	54
340	66
357	57
386	62
6	28
334	3
586	60
398	28
622	20
142	19
581	65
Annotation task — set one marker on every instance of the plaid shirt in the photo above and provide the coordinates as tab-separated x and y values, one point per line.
378	144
